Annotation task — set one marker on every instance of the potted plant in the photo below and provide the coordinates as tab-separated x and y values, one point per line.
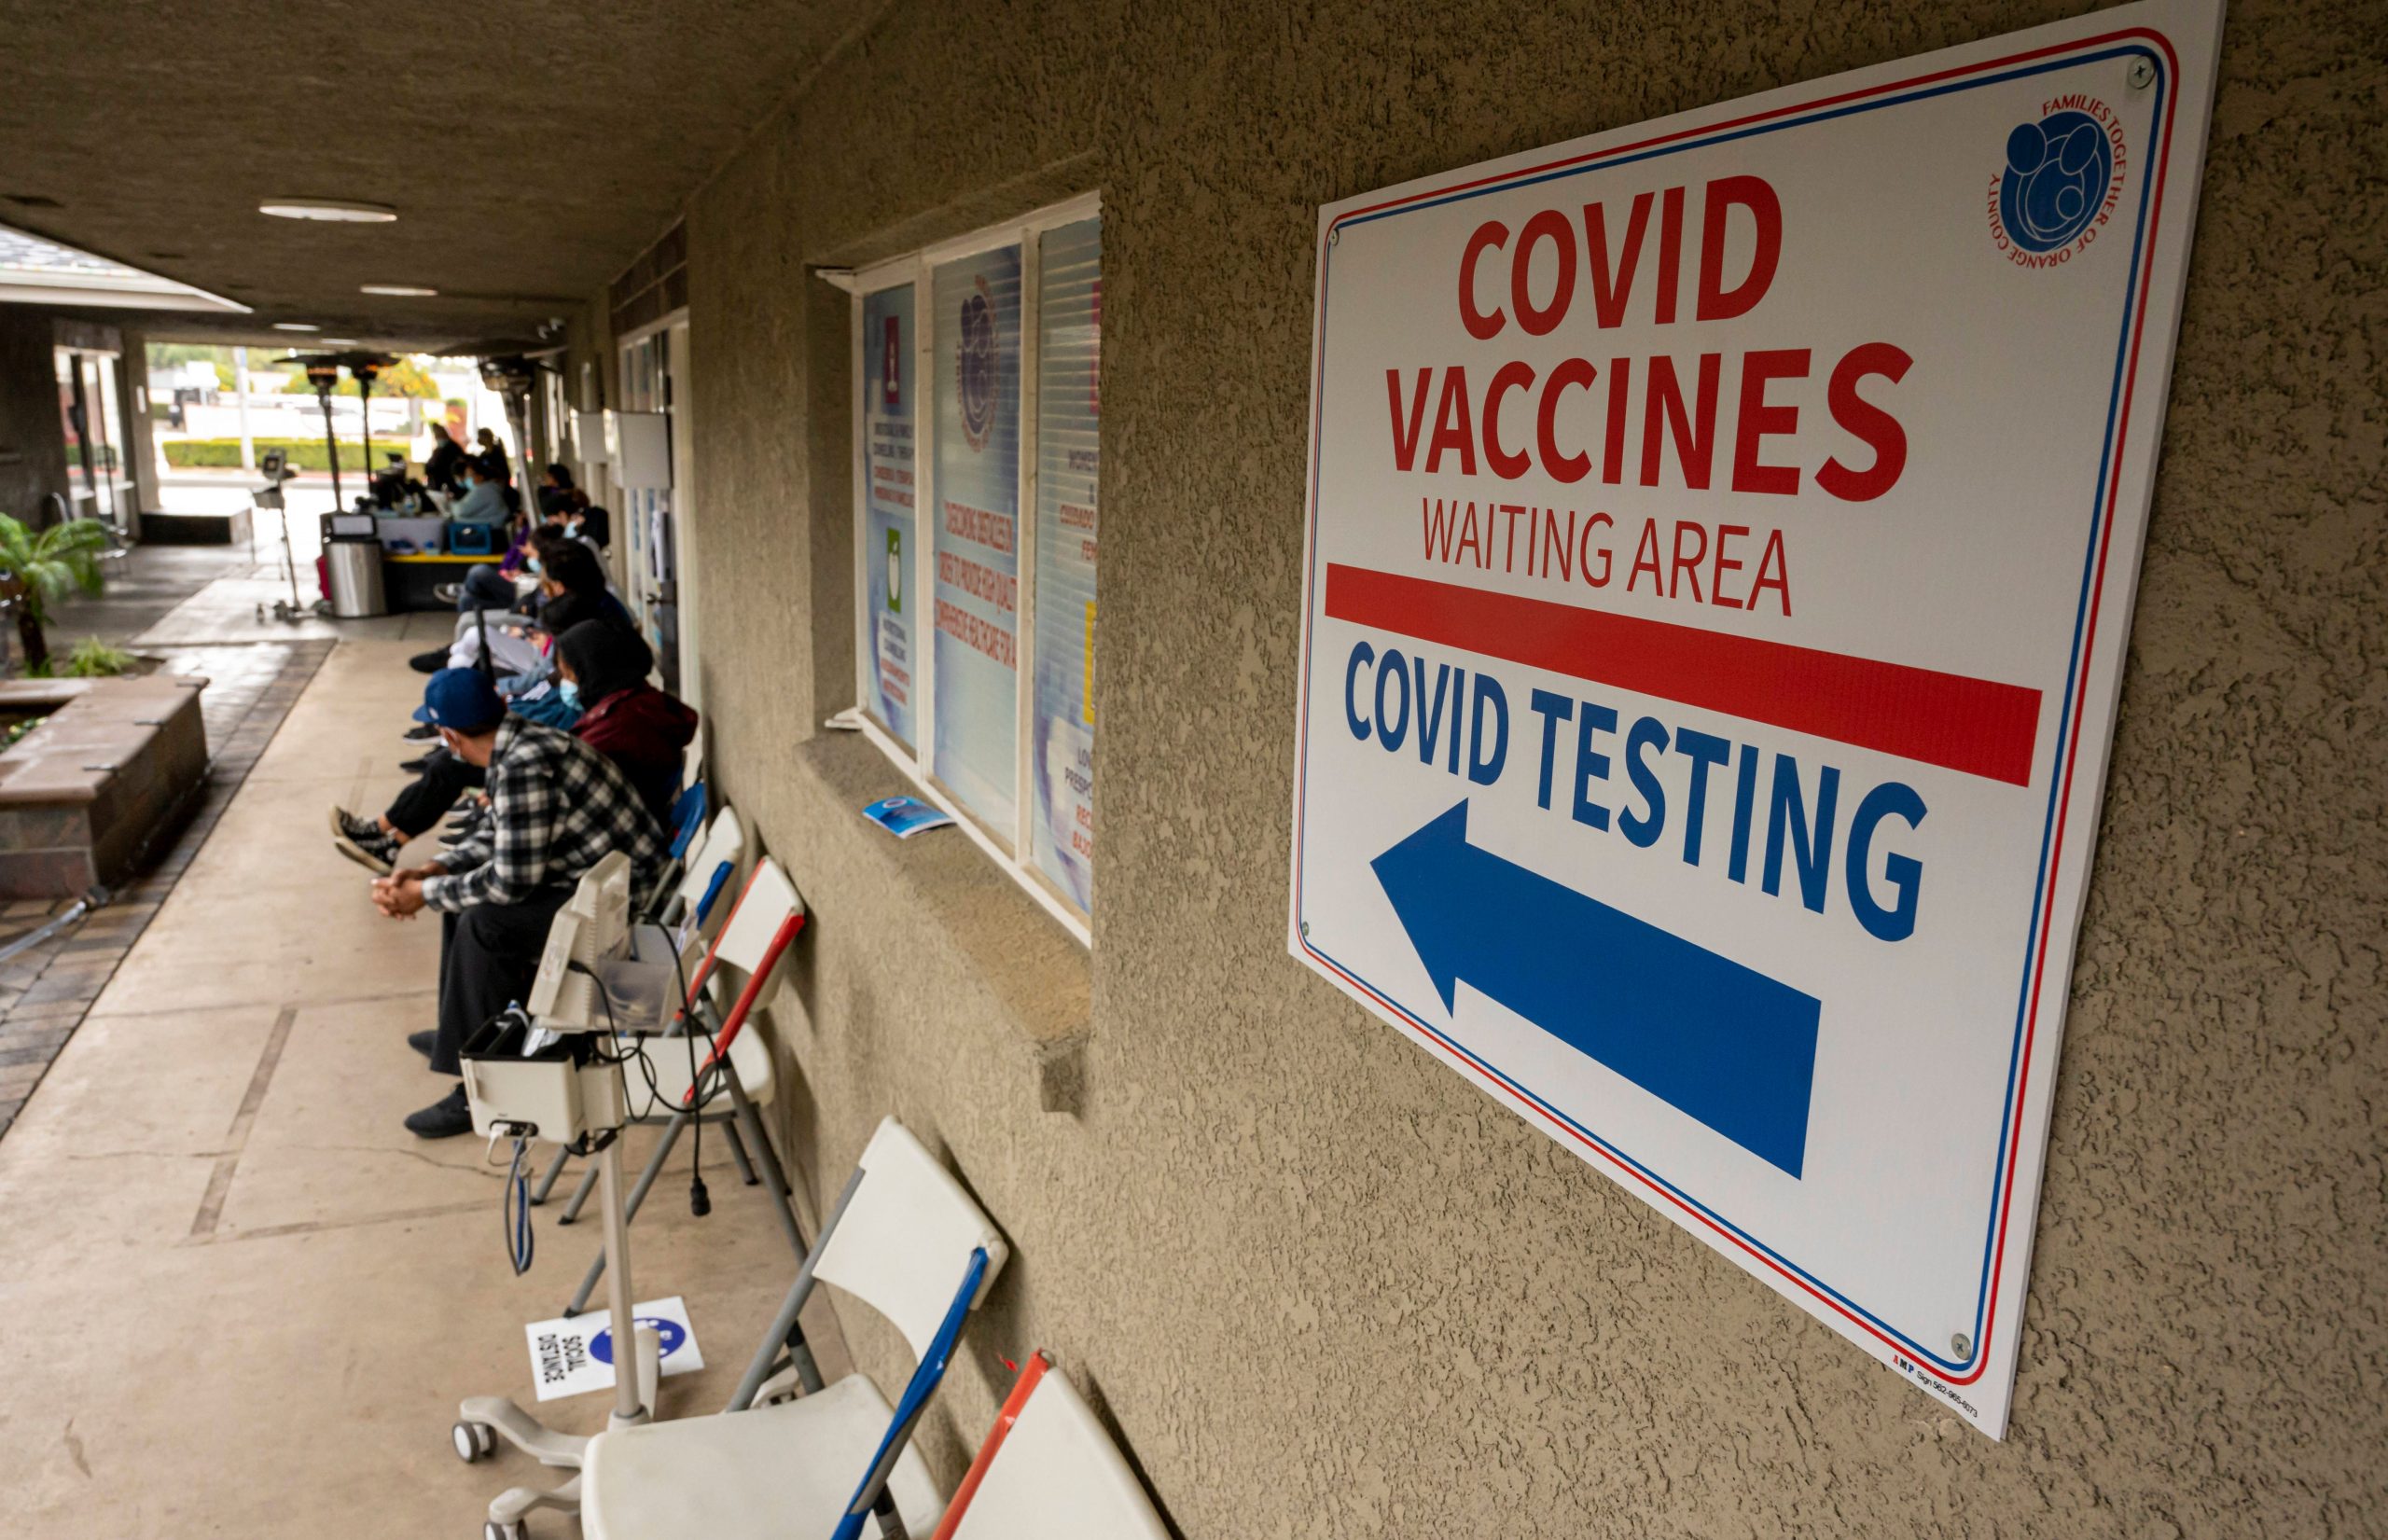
38	567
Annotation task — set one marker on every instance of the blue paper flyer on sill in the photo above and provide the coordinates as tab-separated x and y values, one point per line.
905	816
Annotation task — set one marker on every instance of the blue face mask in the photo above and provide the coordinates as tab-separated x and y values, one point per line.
568	690
532	562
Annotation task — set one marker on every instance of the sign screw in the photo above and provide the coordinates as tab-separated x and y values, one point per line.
2142	73
1335	236
1962	1345
1305	927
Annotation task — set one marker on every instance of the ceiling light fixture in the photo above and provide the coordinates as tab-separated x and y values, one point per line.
296	326
397	291
339	211
340	342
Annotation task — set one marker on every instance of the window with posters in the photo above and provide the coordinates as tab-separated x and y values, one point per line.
977	462
1069	457
886	422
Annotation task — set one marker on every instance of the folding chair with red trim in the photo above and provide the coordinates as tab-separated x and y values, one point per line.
693	912
736	1061
1048	1471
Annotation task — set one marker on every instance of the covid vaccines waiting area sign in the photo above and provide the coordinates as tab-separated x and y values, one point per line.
1722	538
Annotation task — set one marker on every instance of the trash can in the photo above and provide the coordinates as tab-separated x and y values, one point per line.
353	576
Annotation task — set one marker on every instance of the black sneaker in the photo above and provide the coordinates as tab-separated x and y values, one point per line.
445	1118
362	842
415	766
421	733
423	1042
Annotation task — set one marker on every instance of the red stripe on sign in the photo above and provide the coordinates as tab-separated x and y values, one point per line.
1976	726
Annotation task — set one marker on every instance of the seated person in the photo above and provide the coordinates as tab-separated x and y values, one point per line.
563	565
484	499
557	807
484	587
374	843
487	587
557	492
591	523
568	566
646	732
490	456
499	632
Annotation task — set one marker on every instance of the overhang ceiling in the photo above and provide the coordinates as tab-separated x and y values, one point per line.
531	150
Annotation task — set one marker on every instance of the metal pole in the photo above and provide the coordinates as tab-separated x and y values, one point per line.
331	442
241	382
623	1325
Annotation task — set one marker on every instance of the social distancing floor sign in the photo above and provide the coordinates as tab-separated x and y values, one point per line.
1722	536
573	1354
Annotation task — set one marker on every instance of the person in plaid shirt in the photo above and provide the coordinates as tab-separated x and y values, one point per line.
557	807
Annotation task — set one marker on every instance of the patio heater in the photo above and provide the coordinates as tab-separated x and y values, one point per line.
324	374
512	377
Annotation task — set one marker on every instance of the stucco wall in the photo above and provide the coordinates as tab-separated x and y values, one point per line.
1322	1286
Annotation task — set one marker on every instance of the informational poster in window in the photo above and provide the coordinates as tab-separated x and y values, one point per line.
1069	347
978	533
887	540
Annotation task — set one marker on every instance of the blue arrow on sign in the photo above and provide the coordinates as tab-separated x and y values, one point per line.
1720	1042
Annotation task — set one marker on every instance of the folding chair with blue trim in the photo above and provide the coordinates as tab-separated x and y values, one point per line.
736	1063
906	1240
688	822
692	909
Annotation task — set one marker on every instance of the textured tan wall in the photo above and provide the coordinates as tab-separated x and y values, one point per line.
1324	1286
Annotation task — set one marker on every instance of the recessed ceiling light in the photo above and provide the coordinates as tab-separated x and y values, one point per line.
336	210
296	326
340	342
397	291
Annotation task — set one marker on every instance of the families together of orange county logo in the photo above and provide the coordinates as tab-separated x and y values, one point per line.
2062	178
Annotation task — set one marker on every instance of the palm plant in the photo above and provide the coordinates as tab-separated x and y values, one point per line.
36	568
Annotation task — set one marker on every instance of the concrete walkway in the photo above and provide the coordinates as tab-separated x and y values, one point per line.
236	1297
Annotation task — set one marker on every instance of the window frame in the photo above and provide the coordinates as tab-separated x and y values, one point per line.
1012	848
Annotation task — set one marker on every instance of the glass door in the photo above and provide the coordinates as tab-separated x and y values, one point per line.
91	420
647	520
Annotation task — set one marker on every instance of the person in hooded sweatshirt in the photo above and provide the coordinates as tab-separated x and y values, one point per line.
603	669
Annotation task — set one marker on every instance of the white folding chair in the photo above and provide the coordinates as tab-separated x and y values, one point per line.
714	871
904	1240
769	915
1048	1471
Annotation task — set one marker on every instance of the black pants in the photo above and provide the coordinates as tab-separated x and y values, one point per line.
488	957
427	800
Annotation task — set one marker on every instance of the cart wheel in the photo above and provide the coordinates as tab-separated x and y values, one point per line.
474	1441
503	1532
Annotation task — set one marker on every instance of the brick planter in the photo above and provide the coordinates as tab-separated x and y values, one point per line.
113	767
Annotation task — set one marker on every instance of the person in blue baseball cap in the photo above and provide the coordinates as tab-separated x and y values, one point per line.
556	807
461	699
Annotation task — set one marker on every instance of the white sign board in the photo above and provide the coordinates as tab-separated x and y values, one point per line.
575	1354
1722	537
